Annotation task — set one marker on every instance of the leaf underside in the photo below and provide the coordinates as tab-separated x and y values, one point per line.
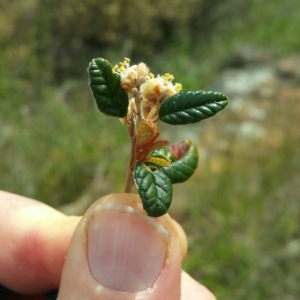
154	188
110	97
183	168
191	107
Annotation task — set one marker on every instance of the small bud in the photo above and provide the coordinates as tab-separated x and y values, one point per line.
142	70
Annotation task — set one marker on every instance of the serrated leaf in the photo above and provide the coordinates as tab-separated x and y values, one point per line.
154	188
110	96
191	107
183	168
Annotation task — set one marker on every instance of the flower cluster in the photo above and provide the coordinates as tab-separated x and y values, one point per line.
131	76
150	91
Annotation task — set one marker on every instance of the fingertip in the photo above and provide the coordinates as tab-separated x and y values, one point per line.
55	247
36	245
118	250
182	238
193	290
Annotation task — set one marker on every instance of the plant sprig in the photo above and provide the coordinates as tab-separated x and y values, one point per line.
140	100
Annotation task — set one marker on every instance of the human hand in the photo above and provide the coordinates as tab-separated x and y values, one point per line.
116	252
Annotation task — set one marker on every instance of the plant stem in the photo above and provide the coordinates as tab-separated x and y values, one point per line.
153	114
131	126
129	177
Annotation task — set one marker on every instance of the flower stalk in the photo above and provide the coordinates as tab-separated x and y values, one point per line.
148	93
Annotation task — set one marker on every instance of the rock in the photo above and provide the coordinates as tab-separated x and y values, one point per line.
289	67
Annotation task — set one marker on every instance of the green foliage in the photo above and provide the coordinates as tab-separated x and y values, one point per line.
63	35
154	182
61	162
153	21
249	222
181	169
164	151
155	178
154	188
110	97
191	107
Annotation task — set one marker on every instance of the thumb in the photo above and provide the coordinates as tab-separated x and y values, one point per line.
118	252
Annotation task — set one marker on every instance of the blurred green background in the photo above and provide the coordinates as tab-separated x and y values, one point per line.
241	208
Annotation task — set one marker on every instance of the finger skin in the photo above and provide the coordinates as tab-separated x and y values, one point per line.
78	283
192	290
182	238
34	239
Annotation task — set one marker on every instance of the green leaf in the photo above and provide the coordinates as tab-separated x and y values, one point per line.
154	188
184	167
163	151
110	96
191	107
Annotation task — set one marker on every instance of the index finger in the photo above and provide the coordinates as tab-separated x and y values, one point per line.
34	239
